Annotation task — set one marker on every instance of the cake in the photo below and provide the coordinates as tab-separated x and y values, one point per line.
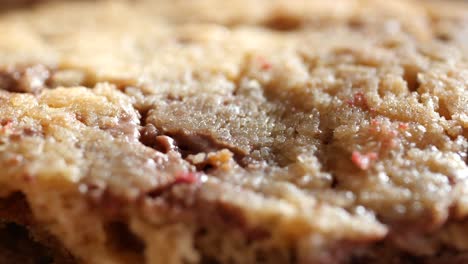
234	132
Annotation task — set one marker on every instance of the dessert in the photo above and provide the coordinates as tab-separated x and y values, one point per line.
236	131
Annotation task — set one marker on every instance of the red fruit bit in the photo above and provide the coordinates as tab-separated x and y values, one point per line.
363	161
372	156
186	178
359	100
264	64
375	123
403	126
180	178
375	126
386	134
28	178
389	143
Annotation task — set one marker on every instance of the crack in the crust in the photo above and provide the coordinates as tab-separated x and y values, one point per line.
444	111
283	23
443	36
392	254
18	246
35	78
410	75
187	144
121	239
328	165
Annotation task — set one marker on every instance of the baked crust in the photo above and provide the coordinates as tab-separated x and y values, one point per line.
238	131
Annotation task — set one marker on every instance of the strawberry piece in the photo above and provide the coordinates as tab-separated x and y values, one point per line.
186	178
363	161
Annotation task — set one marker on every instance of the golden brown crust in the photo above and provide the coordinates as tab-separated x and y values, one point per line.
273	132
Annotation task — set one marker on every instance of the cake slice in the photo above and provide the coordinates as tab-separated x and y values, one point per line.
235	132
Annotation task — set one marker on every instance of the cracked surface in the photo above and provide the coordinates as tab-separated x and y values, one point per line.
263	133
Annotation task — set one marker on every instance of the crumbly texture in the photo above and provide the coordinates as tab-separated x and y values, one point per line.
239	131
